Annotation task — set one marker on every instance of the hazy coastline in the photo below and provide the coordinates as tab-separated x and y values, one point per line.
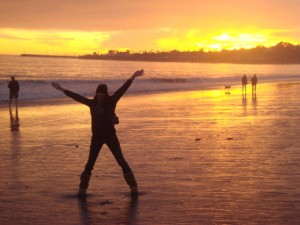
282	53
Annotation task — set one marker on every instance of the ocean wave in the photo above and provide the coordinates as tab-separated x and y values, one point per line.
168	80
42	89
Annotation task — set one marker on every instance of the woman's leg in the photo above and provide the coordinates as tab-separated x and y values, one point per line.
114	146
95	147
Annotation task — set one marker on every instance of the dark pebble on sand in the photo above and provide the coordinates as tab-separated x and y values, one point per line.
107	202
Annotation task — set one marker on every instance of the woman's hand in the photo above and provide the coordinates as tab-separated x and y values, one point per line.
137	73
57	86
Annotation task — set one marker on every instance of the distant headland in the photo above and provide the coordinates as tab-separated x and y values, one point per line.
50	56
282	53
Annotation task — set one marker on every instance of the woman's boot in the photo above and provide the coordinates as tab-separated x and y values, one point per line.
84	184
130	180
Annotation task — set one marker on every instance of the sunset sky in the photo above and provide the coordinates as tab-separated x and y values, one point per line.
77	27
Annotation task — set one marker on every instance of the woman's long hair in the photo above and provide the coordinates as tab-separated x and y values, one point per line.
101	88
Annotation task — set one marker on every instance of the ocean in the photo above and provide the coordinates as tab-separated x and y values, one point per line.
35	75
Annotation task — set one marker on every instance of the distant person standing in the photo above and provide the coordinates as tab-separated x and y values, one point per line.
244	83
254	82
14	88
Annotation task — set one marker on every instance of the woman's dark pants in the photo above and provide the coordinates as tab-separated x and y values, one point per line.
113	144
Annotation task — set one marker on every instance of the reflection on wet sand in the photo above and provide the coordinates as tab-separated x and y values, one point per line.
14	120
244	101
15	180
91	212
254	100
132	211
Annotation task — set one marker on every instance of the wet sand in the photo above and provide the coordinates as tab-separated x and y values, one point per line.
200	157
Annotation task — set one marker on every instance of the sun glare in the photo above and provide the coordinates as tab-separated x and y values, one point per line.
223	37
163	39
217	40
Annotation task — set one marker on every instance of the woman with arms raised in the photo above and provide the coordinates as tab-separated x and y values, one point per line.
102	108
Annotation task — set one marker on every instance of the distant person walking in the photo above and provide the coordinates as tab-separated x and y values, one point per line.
244	83
254	82
102	109
14	88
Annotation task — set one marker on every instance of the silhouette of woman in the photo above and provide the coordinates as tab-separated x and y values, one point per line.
102	109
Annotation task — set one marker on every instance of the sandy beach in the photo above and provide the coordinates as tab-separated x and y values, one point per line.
200	157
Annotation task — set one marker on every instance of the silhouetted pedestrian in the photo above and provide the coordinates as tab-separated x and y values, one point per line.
14	88
244	83
254	82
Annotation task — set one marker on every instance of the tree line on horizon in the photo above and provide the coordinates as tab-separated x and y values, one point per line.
283	52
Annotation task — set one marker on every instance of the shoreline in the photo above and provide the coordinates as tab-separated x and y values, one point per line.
48	56
66	100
